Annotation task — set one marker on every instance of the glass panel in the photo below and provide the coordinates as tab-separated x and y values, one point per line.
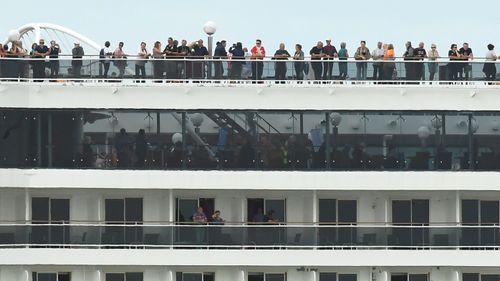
401	211
328	210
275	277
47	276
489	277
418	277
470	211
489	212
66	276
470	277
59	210
255	276
347	211
275	211
40	209
114	210
133	209
328	276
399	277
133	276
420	211
192	277
115	277
186	209
348	277
255	210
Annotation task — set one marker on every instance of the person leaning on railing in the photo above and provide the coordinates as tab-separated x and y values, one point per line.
142	59
104	60
120	59
453	67
299	64
158	64
362	54
237	61
258	54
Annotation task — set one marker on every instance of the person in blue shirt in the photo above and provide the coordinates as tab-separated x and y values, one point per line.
220	53
41	51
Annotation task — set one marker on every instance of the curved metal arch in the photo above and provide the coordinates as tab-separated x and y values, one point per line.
37	27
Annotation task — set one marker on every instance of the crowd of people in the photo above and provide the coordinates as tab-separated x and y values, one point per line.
241	62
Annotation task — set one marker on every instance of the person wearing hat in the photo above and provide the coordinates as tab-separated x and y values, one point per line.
432	56
330	52
76	63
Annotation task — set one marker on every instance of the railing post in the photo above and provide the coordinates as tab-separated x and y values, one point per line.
184	143
327	141
471	143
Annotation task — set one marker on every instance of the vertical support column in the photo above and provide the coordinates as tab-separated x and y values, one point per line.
158	123
386	211
49	140
184	143
315	207
327	141
471	143
301	122
243	205
27	205
39	139
457	207
171	204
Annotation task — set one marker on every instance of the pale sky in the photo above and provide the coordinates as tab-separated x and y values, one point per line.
290	22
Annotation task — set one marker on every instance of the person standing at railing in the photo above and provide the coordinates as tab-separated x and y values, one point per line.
170	52
199	52
104	60
419	54
142	59
54	56
11	66
258	54
183	68
220	53
237	61
317	54
343	56
453	67
409	66
433	56
158	62
41	51
299	64
199	218
489	67
330	53
389	65
120	60
280	67
465	69
378	57
362	54
76	63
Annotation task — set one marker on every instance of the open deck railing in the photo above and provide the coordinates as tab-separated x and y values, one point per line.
251	236
203	70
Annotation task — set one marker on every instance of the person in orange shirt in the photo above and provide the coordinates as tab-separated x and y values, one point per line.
258	54
389	64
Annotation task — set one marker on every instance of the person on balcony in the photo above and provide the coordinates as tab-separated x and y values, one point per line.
281	55
120	60
465	69
433	56
199	52
299	64
330	53
238	57
453	67
419	54
489	67
76	63
142	59
220	53
317	53
158	64
183	68
104	60
362	55
258	54
389	65
41	51
343	56
55	50
408	55
378	56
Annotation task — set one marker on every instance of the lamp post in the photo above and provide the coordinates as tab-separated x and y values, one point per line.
209	28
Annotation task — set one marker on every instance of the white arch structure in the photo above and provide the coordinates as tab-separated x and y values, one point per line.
38	27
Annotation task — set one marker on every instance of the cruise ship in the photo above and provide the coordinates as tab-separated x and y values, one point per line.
198	178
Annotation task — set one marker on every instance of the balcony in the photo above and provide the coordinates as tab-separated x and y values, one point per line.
250	237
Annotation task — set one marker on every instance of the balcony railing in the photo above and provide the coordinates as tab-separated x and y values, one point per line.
186	236
215	71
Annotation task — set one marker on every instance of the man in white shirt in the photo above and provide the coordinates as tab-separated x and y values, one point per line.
104	60
378	57
140	63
